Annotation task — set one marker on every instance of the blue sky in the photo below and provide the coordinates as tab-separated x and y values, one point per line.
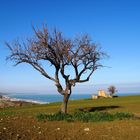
115	25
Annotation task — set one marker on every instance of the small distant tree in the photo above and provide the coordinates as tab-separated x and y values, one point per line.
79	54
112	90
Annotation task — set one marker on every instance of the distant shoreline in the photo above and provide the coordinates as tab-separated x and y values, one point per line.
50	98
6	101
7	96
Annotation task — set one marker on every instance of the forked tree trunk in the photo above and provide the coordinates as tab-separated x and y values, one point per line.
65	103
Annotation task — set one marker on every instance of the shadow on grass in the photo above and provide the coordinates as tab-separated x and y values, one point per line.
98	108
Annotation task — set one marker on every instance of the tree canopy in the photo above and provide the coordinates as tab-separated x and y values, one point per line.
79	54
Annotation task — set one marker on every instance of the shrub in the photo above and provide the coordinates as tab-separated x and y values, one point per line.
82	116
54	117
85	116
102	116
41	117
58	117
122	115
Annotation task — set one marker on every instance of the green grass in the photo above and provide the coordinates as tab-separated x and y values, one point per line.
130	104
98	115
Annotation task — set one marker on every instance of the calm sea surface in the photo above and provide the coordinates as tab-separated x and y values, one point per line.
47	98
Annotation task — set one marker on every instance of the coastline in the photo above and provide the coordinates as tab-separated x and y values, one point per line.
6	101
19	99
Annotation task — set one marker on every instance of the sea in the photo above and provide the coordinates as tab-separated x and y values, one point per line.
48	98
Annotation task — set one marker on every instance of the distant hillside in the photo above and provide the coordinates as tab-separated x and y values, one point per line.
2	93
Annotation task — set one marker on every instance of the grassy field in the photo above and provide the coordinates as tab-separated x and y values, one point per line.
21	122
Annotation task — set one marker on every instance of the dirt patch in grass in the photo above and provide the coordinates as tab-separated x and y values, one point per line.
12	128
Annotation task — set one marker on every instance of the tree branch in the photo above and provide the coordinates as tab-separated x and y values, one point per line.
61	52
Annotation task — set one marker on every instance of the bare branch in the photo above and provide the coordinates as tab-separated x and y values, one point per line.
81	54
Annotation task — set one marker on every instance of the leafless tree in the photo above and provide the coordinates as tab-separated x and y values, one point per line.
79	54
112	90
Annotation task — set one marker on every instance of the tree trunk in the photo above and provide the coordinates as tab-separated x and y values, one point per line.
64	103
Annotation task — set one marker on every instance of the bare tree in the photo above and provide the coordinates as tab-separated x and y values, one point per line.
112	90
79	54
